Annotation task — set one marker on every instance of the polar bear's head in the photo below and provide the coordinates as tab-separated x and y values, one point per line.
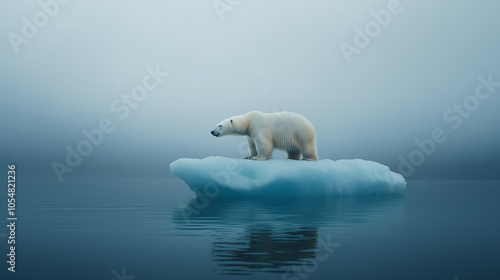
225	127
236	125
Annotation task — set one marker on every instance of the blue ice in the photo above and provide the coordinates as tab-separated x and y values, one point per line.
221	176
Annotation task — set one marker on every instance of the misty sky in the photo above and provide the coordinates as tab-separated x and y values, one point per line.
270	56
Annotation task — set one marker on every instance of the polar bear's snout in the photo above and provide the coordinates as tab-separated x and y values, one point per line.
217	131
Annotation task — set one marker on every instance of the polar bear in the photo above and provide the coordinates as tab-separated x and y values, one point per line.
286	131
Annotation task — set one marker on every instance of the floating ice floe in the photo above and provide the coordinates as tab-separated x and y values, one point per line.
221	176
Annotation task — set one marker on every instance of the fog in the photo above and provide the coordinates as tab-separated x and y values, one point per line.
81	63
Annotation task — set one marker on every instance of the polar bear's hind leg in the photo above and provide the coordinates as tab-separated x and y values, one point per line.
309	152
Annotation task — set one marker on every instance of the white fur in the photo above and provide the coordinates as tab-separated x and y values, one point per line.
286	131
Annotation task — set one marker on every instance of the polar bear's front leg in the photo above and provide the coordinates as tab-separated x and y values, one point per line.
251	148
264	147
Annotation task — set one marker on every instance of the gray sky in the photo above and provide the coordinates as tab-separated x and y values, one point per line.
75	66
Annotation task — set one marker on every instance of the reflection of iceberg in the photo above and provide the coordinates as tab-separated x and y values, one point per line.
220	176
277	235
261	248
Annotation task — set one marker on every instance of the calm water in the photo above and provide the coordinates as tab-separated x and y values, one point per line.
112	229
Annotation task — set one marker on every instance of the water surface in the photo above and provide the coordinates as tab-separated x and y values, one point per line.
155	229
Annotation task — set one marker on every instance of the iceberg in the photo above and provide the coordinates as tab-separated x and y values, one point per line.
228	177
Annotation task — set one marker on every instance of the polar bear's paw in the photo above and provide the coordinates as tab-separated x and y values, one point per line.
259	158
256	158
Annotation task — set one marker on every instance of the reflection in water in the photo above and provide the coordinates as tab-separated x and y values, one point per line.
264	249
273	235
